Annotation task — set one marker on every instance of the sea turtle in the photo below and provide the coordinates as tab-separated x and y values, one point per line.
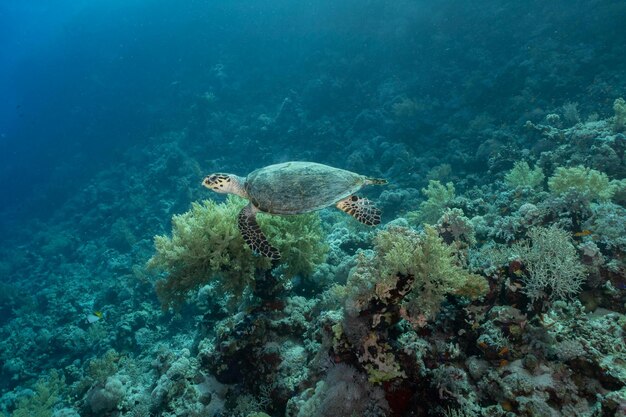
294	188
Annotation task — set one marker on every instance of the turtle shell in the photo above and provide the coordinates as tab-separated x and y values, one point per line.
300	187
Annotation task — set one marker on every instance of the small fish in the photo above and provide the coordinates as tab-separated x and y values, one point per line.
503	351
583	233
94	317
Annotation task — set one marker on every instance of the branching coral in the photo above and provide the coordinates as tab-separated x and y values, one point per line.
589	183
47	394
552	262
407	276
300	240
522	176
439	197
206	243
431	262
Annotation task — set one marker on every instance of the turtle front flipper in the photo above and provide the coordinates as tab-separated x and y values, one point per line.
361	209
253	235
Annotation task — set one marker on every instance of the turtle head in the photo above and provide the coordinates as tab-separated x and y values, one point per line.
224	184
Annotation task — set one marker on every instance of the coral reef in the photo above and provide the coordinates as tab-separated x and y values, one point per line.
522	176
551	260
438	196
41	402
343	392
495	287
588	183
501	299
205	243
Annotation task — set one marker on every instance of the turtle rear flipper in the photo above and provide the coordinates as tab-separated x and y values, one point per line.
361	209
253	235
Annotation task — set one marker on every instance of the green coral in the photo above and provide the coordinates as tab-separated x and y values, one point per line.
552	262
619	121
300	240
206	243
407	277
99	369
439	197
522	176
589	183
426	257
48	392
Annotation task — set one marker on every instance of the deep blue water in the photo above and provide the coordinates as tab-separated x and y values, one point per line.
82	79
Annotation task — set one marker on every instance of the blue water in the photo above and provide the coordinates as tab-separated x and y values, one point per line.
112	112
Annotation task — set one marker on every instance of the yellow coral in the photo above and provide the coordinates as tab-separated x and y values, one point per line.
47	393
432	265
439	197
591	184
206	243
522	176
299	239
